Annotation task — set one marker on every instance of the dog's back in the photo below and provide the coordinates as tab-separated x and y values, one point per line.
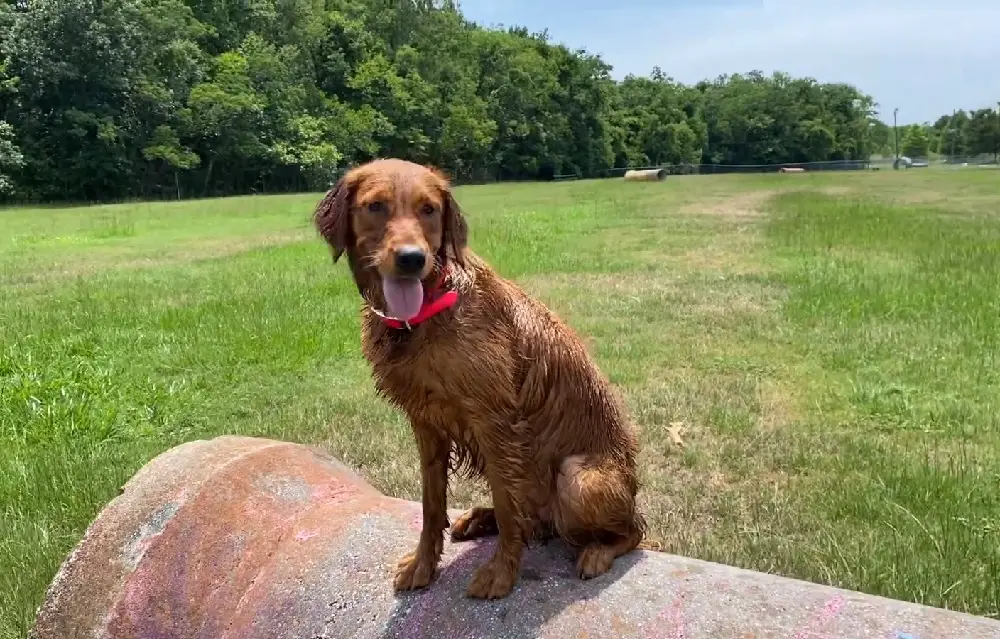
563	394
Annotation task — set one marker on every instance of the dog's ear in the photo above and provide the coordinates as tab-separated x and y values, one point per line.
456	232
333	217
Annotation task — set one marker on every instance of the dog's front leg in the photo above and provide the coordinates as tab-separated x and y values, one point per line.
416	569
505	473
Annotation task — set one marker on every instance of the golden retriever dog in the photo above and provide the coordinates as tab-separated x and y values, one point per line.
493	383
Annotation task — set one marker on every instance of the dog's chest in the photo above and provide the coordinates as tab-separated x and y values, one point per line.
439	390
430	404
417	381
446	370
459	381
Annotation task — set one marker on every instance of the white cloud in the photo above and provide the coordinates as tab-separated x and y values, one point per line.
923	56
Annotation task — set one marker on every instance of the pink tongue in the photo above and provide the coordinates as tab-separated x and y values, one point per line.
403	297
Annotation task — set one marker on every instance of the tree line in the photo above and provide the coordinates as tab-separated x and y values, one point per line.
961	135
112	99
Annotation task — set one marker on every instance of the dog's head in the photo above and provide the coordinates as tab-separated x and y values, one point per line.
399	224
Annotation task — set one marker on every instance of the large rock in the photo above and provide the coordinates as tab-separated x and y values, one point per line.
249	538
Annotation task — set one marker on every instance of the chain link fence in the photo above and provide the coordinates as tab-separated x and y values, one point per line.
872	164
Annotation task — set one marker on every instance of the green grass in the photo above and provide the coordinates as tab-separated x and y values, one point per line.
829	341
899	309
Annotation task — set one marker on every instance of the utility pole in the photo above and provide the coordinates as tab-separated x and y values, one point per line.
895	135
953	132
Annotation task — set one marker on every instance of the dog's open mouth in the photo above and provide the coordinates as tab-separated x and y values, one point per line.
403	297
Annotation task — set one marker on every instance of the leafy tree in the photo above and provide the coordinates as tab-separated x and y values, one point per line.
984	132
108	99
166	147
11	158
915	142
951	135
880	138
660	121
227	115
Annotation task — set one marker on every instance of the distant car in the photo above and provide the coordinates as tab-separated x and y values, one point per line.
907	163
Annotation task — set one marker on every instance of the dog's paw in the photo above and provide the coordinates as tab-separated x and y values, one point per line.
475	523
413	572
491	581
594	560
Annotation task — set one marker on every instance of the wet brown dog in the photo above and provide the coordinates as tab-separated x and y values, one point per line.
492	382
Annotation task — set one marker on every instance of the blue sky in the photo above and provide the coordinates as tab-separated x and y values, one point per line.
922	56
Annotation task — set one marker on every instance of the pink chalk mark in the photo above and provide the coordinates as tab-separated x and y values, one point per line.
814	629
305	535
673	618
417	522
428	603
336	492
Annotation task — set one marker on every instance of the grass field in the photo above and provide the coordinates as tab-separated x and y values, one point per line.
829	342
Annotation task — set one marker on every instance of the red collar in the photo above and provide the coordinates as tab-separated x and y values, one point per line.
431	306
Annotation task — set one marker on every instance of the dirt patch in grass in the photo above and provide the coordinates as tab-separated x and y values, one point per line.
615	283
715	484
740	206
684	301
723	258
223	247
967	203
39	270
733	301
735	247
837	190
778	405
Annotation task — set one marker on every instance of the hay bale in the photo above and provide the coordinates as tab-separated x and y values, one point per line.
646	175
791	169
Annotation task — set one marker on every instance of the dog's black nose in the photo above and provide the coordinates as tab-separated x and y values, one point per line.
410	260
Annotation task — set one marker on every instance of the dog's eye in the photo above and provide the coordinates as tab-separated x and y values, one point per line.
428	209
376	207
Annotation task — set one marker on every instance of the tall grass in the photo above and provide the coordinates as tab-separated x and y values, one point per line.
900	307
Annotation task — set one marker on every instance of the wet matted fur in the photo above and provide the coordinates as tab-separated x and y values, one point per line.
495	386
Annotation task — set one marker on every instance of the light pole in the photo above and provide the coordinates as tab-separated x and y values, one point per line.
895	130
895	135
996	138
953	132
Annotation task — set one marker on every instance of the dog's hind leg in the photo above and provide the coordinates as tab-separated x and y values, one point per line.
597	558
596	512
475	523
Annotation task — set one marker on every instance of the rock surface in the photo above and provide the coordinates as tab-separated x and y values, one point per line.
251	538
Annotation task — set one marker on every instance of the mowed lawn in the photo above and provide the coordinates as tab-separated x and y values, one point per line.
825	346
